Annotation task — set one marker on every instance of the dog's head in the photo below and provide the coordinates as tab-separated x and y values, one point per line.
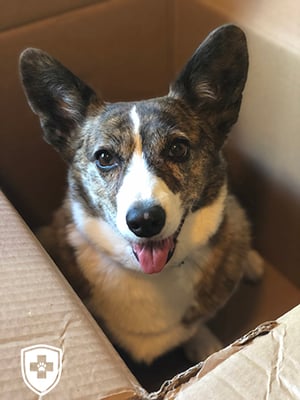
141	173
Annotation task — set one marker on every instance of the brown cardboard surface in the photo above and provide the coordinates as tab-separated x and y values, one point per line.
265	368
15	13
267	133
114	47
252	305
129	49
272	91
184	380
39	307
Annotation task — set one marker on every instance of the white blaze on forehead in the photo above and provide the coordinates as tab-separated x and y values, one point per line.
136	122
140	184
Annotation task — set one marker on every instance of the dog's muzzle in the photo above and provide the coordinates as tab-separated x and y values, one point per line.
146	221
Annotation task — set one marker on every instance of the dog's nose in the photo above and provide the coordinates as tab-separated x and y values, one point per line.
145	221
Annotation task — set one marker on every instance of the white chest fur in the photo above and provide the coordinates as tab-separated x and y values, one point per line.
142	312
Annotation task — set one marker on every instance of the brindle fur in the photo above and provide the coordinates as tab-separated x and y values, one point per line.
203	104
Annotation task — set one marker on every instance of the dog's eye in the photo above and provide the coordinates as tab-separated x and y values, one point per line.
179	150
106	159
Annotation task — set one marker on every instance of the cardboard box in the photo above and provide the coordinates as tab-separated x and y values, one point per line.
17	13
38	307
260	365
112	48
131	49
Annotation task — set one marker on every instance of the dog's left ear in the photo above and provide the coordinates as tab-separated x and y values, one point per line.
213	80
60	99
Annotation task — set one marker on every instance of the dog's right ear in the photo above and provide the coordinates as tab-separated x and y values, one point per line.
58	97
213	80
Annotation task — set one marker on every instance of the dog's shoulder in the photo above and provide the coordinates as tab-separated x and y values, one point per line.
225	263
54	238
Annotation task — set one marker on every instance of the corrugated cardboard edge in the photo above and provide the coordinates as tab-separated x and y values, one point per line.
264	368
122	384
171	388
138	394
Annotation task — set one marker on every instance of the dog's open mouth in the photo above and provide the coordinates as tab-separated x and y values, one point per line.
154	255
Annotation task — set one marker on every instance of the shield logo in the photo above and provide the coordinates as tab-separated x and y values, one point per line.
41	367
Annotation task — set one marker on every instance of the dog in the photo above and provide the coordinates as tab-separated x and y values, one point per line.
149	234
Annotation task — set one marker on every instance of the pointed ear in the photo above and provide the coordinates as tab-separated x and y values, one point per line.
59	98
214	78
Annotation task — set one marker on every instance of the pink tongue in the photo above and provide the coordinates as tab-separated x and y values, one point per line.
153	256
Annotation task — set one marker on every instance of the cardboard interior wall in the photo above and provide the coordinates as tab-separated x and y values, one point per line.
264	144
114	47
128	49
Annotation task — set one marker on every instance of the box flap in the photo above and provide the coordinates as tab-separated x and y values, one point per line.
262	364
39	307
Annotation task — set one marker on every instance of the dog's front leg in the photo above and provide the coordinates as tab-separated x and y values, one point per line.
202	344
253	267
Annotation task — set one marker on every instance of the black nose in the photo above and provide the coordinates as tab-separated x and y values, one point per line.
144	220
